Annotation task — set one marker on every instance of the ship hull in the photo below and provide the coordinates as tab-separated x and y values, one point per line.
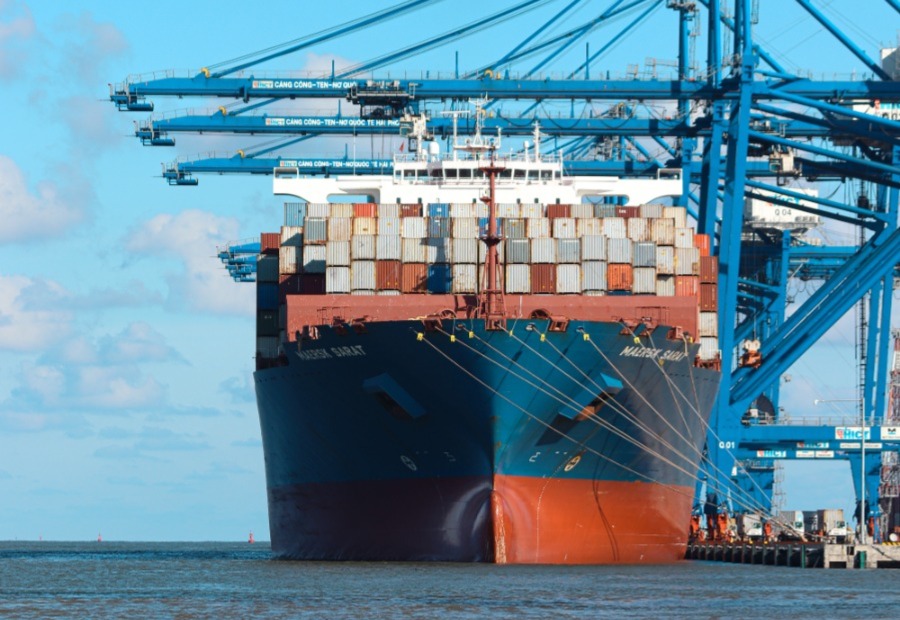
394	442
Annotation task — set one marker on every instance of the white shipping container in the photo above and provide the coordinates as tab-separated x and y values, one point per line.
665	285
289	259
709	348
414	251
644	281
314	259
363	275
644	254
564	228
568	250
638	228
388	210
337	253
389	293
518	278
684	237
337	280
652	210
318	209
618	250
519	250
509	209
362	247
462	209
589	226
687	261
388	247
582	211
615	228
438	250
413	228
291	235
362	292
665	260
532	210
365	226
678	214
465	228
662	231
339	228
341	209
501	251
465	251
593	275
389	226
709	324
481	209
568	279
593	247
465	278
543	250
537	227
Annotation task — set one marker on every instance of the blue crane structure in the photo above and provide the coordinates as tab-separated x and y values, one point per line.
744	127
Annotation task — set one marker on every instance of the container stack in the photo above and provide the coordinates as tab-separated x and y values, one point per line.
553	249
267	292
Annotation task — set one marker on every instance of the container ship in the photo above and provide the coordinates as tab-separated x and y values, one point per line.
475	358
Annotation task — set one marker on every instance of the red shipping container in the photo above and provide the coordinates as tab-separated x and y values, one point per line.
312	284
365	209
543	278
269	243
558	211
387	275
709	297
709	269
702	243
410	210
687	286
628	212
414	278
619	277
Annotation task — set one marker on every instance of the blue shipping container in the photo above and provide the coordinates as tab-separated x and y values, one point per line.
438	209
266	296
294	213
439	278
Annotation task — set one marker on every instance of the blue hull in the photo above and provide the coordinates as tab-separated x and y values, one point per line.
402	444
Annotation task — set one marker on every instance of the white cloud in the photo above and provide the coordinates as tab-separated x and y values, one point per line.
28	216
17	30
90	44
192	236
139	342
24	325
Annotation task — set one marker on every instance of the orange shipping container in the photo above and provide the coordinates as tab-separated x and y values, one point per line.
687	286
558	211
709	269
628	212
365	209
387	275
619	277
702	242
414	278
543	278
411	210
709	297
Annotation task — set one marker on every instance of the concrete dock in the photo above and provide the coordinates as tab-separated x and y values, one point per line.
802	555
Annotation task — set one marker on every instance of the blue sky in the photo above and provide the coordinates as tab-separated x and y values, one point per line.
126	400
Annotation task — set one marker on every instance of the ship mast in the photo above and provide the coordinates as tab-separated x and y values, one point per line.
491	303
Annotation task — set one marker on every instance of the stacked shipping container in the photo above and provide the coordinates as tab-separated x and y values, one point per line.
394	249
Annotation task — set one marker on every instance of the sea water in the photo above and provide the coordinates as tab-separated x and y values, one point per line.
241	580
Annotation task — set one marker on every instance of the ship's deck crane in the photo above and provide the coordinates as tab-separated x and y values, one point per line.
751	119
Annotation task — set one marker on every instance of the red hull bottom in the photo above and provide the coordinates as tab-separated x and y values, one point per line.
520	521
